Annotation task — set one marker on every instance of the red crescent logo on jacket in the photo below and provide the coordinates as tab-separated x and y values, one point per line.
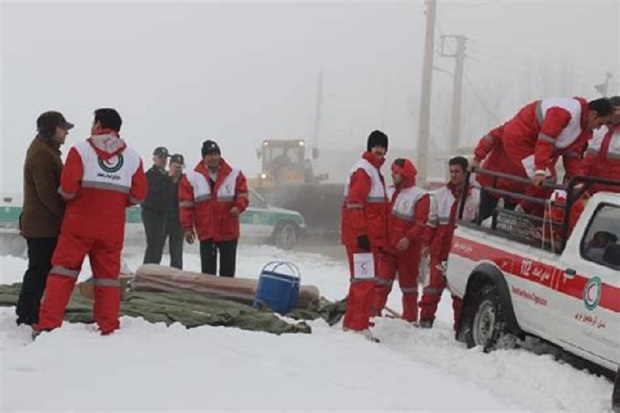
114	164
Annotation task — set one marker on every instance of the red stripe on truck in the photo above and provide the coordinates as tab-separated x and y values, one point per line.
535	271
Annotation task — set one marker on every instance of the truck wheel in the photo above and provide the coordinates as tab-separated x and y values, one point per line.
286	236
487	327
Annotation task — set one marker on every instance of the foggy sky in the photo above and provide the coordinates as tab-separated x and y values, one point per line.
182	72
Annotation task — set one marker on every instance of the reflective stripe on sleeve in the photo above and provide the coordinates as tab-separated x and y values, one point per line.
545	138
66	195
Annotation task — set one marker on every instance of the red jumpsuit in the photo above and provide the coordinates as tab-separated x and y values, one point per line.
409	208
101	177
535	138
491	154
209	213
603	158
445	200
364	213
544	130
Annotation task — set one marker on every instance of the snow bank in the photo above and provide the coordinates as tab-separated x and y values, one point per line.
153	367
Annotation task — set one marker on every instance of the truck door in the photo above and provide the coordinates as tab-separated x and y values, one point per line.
592	283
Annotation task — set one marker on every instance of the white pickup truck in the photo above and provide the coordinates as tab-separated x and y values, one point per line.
513	283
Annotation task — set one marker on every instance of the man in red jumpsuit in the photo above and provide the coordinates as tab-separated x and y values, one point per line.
407	220
446	202
211	198
364	235
602	158
538	135
489	154
102	177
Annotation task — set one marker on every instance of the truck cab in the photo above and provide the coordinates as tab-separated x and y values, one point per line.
516	277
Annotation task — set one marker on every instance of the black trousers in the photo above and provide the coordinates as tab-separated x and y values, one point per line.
228	257
175	235
488	203
155	229
40	251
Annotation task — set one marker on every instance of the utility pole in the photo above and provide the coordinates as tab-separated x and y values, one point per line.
425	99
457	91
317	116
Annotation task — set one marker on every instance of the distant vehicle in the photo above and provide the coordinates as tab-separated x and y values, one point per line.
260	223
287	180
526	275
284	162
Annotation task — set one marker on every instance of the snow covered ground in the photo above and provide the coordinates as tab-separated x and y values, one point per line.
153	367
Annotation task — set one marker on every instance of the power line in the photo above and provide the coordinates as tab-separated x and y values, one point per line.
508	51
480	100
504	65
578	80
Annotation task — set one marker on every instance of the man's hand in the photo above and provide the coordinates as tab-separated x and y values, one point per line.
234	211
190	237
475	164
403	244
363	243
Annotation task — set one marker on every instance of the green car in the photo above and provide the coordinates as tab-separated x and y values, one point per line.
260	223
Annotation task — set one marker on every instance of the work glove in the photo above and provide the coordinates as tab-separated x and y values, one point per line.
363	243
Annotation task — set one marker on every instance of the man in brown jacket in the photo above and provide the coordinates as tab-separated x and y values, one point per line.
42	211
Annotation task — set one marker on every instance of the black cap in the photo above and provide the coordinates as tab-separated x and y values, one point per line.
377	138
48	121
210	146
177	158
161	151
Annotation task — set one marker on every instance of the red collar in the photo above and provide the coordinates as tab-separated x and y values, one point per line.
374	161
223	170
105	132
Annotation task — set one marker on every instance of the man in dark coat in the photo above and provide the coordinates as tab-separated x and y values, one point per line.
174	230
156	206
42	210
